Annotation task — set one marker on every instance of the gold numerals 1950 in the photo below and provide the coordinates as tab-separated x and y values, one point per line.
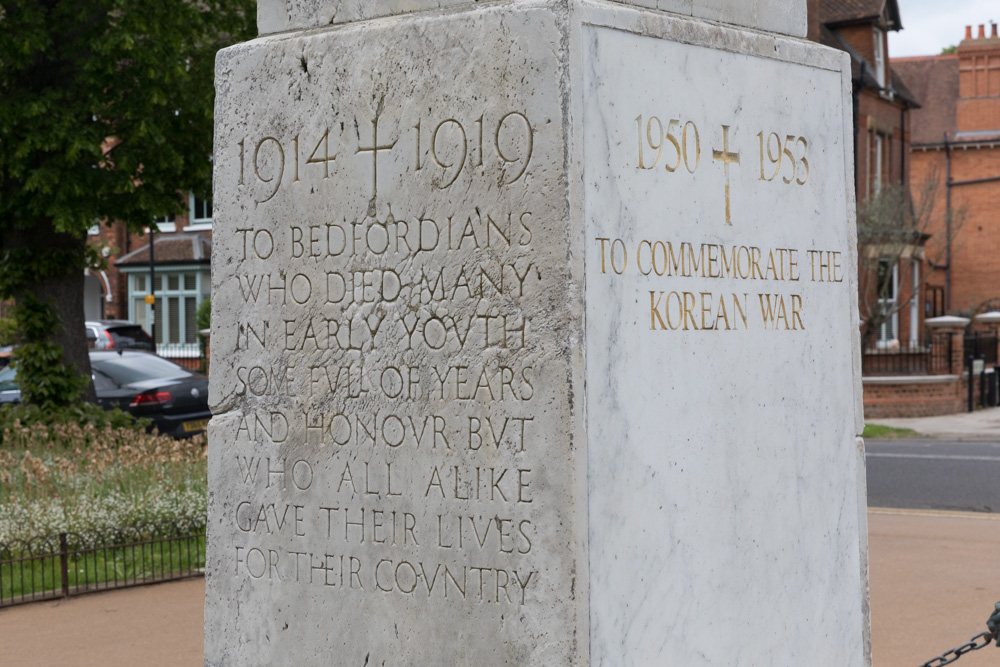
684	140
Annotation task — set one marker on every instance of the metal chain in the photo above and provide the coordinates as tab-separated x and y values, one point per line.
982	640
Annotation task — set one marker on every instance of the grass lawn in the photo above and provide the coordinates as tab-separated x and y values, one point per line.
878	431
103	487
100	567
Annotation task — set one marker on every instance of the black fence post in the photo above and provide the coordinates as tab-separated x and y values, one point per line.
972	385
991	388
995	387
982	383
64	564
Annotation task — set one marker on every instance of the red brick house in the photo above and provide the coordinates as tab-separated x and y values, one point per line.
956	137
881	105
180	273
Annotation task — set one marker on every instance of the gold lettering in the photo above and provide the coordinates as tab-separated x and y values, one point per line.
654	311
797	312
688	314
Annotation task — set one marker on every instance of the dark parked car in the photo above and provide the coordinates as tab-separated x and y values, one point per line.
117	335
174	398
9	392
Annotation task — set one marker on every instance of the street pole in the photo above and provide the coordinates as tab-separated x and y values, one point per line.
151	298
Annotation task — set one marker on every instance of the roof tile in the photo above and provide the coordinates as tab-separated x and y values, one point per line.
838	11
933	80
183	248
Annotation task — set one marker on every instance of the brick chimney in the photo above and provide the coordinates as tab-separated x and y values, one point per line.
979	81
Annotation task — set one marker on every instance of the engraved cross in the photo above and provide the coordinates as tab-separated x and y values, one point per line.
727	159
374	149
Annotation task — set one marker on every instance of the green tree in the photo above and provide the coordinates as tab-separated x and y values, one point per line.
105	115
893	225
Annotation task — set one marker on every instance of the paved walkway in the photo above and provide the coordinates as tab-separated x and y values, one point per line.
978	425
935	577
150	626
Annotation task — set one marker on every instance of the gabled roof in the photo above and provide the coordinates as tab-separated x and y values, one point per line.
863	74
901	90
180	248
934	80
852	11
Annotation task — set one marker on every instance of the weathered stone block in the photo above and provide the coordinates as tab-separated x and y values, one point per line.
273	16
534	344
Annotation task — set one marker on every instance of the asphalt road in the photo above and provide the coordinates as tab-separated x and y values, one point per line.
934	474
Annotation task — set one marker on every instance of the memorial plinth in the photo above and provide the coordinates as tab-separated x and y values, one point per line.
534	343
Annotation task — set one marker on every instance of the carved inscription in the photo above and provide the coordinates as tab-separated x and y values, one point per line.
387	442
684	139
770	306
762	286
444	148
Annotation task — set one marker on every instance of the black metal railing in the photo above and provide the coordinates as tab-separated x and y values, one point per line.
934	358
65	564
982	345
934	301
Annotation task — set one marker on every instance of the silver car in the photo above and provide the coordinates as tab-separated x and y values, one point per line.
117	335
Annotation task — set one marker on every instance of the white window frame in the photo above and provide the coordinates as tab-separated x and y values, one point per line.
165	223
200	293
879	38
879	153
914	303
196	224
888	330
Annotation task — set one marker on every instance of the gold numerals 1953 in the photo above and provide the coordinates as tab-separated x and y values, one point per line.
776	152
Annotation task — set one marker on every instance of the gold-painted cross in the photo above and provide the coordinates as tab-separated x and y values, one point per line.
374	149
727	159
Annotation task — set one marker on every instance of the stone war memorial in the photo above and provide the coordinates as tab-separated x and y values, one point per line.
535	339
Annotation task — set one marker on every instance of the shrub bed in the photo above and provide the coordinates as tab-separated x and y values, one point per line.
75	477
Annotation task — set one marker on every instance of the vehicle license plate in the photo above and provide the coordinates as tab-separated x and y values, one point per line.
196	425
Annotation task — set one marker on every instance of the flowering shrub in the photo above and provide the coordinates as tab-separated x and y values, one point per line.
71	477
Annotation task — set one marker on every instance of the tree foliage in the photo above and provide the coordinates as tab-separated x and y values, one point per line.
105	115
893	226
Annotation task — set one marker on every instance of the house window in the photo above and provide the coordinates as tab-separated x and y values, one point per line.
914	303
887	284
200	213
879	166
879	37
165	223
178	295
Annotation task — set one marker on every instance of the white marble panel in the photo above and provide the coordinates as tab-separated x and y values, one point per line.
724	512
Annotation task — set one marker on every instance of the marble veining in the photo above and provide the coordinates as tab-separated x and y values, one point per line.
720	533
